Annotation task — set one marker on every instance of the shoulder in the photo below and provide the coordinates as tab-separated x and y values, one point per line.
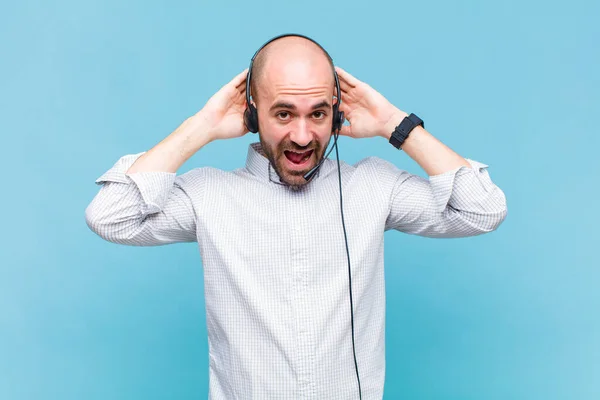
385	175
198	178
371	174
380	170
374	163
213	179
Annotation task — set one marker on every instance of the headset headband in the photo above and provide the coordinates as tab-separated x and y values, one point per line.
248	77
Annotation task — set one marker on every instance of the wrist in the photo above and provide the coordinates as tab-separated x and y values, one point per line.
388	128
402	132
189	137
198	130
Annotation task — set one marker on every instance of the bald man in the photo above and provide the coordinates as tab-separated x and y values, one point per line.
272	243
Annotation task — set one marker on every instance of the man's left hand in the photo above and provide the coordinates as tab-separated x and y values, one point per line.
369	113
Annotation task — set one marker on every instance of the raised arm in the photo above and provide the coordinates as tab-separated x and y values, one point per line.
142	202
459	198
458	203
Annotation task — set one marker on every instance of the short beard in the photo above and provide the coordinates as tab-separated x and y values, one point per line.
277	163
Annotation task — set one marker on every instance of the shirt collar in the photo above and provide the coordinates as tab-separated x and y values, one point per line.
258	164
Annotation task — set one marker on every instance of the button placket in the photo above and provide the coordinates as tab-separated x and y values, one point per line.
301	271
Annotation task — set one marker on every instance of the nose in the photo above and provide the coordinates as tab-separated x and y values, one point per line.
301	134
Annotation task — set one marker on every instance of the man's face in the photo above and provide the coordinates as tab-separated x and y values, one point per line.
295	116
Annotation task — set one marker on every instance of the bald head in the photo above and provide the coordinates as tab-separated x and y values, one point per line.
293	58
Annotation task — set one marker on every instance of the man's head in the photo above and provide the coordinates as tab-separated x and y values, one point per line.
292	87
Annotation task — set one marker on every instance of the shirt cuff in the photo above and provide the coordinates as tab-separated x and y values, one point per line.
154	186
452	186
117	172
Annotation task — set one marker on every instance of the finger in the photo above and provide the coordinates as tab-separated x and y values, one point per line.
346	130
238	94
240	79
344	107
344	86
349	95
346	78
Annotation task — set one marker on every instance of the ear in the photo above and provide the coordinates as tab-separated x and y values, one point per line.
253	102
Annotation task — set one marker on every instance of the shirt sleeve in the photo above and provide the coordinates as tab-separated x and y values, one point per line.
458	203
142	208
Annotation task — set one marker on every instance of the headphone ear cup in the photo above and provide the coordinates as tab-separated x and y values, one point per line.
341	120
251	118
338	119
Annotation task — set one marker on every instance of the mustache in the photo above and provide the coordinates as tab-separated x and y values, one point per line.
291	146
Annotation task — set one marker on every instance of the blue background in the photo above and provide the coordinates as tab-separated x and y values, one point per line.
509	315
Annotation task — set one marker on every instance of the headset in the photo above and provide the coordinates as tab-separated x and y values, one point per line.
251	114
251	122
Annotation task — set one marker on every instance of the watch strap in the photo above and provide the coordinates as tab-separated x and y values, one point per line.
403	130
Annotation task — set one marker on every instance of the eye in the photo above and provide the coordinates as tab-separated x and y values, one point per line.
283	115
319	114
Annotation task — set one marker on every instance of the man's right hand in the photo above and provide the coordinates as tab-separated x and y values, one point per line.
222	117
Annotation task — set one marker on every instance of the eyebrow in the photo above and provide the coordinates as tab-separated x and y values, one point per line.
290	106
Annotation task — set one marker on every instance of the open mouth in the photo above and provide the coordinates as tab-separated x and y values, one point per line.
298	158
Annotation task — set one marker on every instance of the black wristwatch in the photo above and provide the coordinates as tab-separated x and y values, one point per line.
403	130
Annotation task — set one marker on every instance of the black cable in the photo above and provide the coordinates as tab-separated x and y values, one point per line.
308	176
349	269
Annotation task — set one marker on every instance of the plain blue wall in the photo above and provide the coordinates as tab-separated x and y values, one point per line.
509	315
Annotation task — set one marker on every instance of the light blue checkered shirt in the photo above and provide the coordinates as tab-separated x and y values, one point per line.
275	266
